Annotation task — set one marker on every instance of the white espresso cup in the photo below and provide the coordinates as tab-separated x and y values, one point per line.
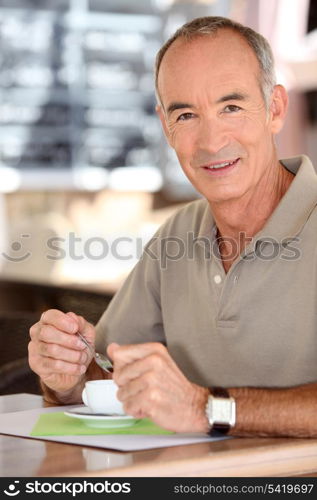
101	397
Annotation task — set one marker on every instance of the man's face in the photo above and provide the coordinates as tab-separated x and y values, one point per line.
214	115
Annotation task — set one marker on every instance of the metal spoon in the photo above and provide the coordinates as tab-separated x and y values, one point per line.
100	359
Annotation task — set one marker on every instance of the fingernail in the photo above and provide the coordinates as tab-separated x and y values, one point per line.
80	344
83	369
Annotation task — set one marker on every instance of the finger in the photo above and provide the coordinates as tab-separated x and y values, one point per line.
125	354
153	363
84	327
43	365
35	330
132	388
57	366
51	335
56	351
111	349
48	333
60	320
144	403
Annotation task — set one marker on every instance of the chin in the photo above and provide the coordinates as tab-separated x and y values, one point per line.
218	197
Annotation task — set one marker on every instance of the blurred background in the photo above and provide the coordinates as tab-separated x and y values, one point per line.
86	177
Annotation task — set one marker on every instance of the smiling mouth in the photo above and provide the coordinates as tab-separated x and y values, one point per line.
222	165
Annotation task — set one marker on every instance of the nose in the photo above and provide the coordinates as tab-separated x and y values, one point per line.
212	136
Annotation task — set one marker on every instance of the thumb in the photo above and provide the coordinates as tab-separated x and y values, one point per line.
111	349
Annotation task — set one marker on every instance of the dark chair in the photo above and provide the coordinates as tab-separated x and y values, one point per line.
15	373
14	334
17	376
36	298
90	305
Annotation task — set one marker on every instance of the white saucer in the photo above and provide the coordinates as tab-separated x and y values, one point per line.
99	419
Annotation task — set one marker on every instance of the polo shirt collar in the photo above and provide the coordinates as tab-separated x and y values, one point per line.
290	215
294	209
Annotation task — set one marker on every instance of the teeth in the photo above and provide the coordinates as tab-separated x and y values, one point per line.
221	165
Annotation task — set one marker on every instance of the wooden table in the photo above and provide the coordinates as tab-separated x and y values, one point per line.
233	457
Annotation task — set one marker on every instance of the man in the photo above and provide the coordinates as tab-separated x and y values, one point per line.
237	308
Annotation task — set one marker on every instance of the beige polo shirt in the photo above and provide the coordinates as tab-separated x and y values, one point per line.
255	325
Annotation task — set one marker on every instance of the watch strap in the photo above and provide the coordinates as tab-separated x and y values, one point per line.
219	428
219	392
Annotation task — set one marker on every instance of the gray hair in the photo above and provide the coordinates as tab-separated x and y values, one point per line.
210	25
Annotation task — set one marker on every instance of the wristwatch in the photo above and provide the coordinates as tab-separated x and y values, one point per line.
220	410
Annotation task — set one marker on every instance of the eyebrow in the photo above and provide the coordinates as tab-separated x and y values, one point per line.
233	96
178	105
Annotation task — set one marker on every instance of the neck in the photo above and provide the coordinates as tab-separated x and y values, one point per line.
238	220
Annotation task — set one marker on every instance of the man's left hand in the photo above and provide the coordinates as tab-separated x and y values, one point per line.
151	385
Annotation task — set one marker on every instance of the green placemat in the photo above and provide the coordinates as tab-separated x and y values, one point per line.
59	424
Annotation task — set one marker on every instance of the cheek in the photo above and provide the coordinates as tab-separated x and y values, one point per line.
251	130
182	137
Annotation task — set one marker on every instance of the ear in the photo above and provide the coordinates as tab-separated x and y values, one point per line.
160	111
278	108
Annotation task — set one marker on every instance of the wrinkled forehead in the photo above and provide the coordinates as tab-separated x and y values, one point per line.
215	59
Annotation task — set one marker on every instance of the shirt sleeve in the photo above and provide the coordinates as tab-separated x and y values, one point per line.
134	314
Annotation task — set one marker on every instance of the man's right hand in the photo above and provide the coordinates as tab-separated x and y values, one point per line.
56	354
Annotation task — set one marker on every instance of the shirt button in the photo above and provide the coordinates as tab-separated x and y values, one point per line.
235	279
217	279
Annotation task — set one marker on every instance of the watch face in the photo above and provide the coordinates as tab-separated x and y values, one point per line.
221	410
221	413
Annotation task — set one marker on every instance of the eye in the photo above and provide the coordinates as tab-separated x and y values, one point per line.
184	117
232	108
